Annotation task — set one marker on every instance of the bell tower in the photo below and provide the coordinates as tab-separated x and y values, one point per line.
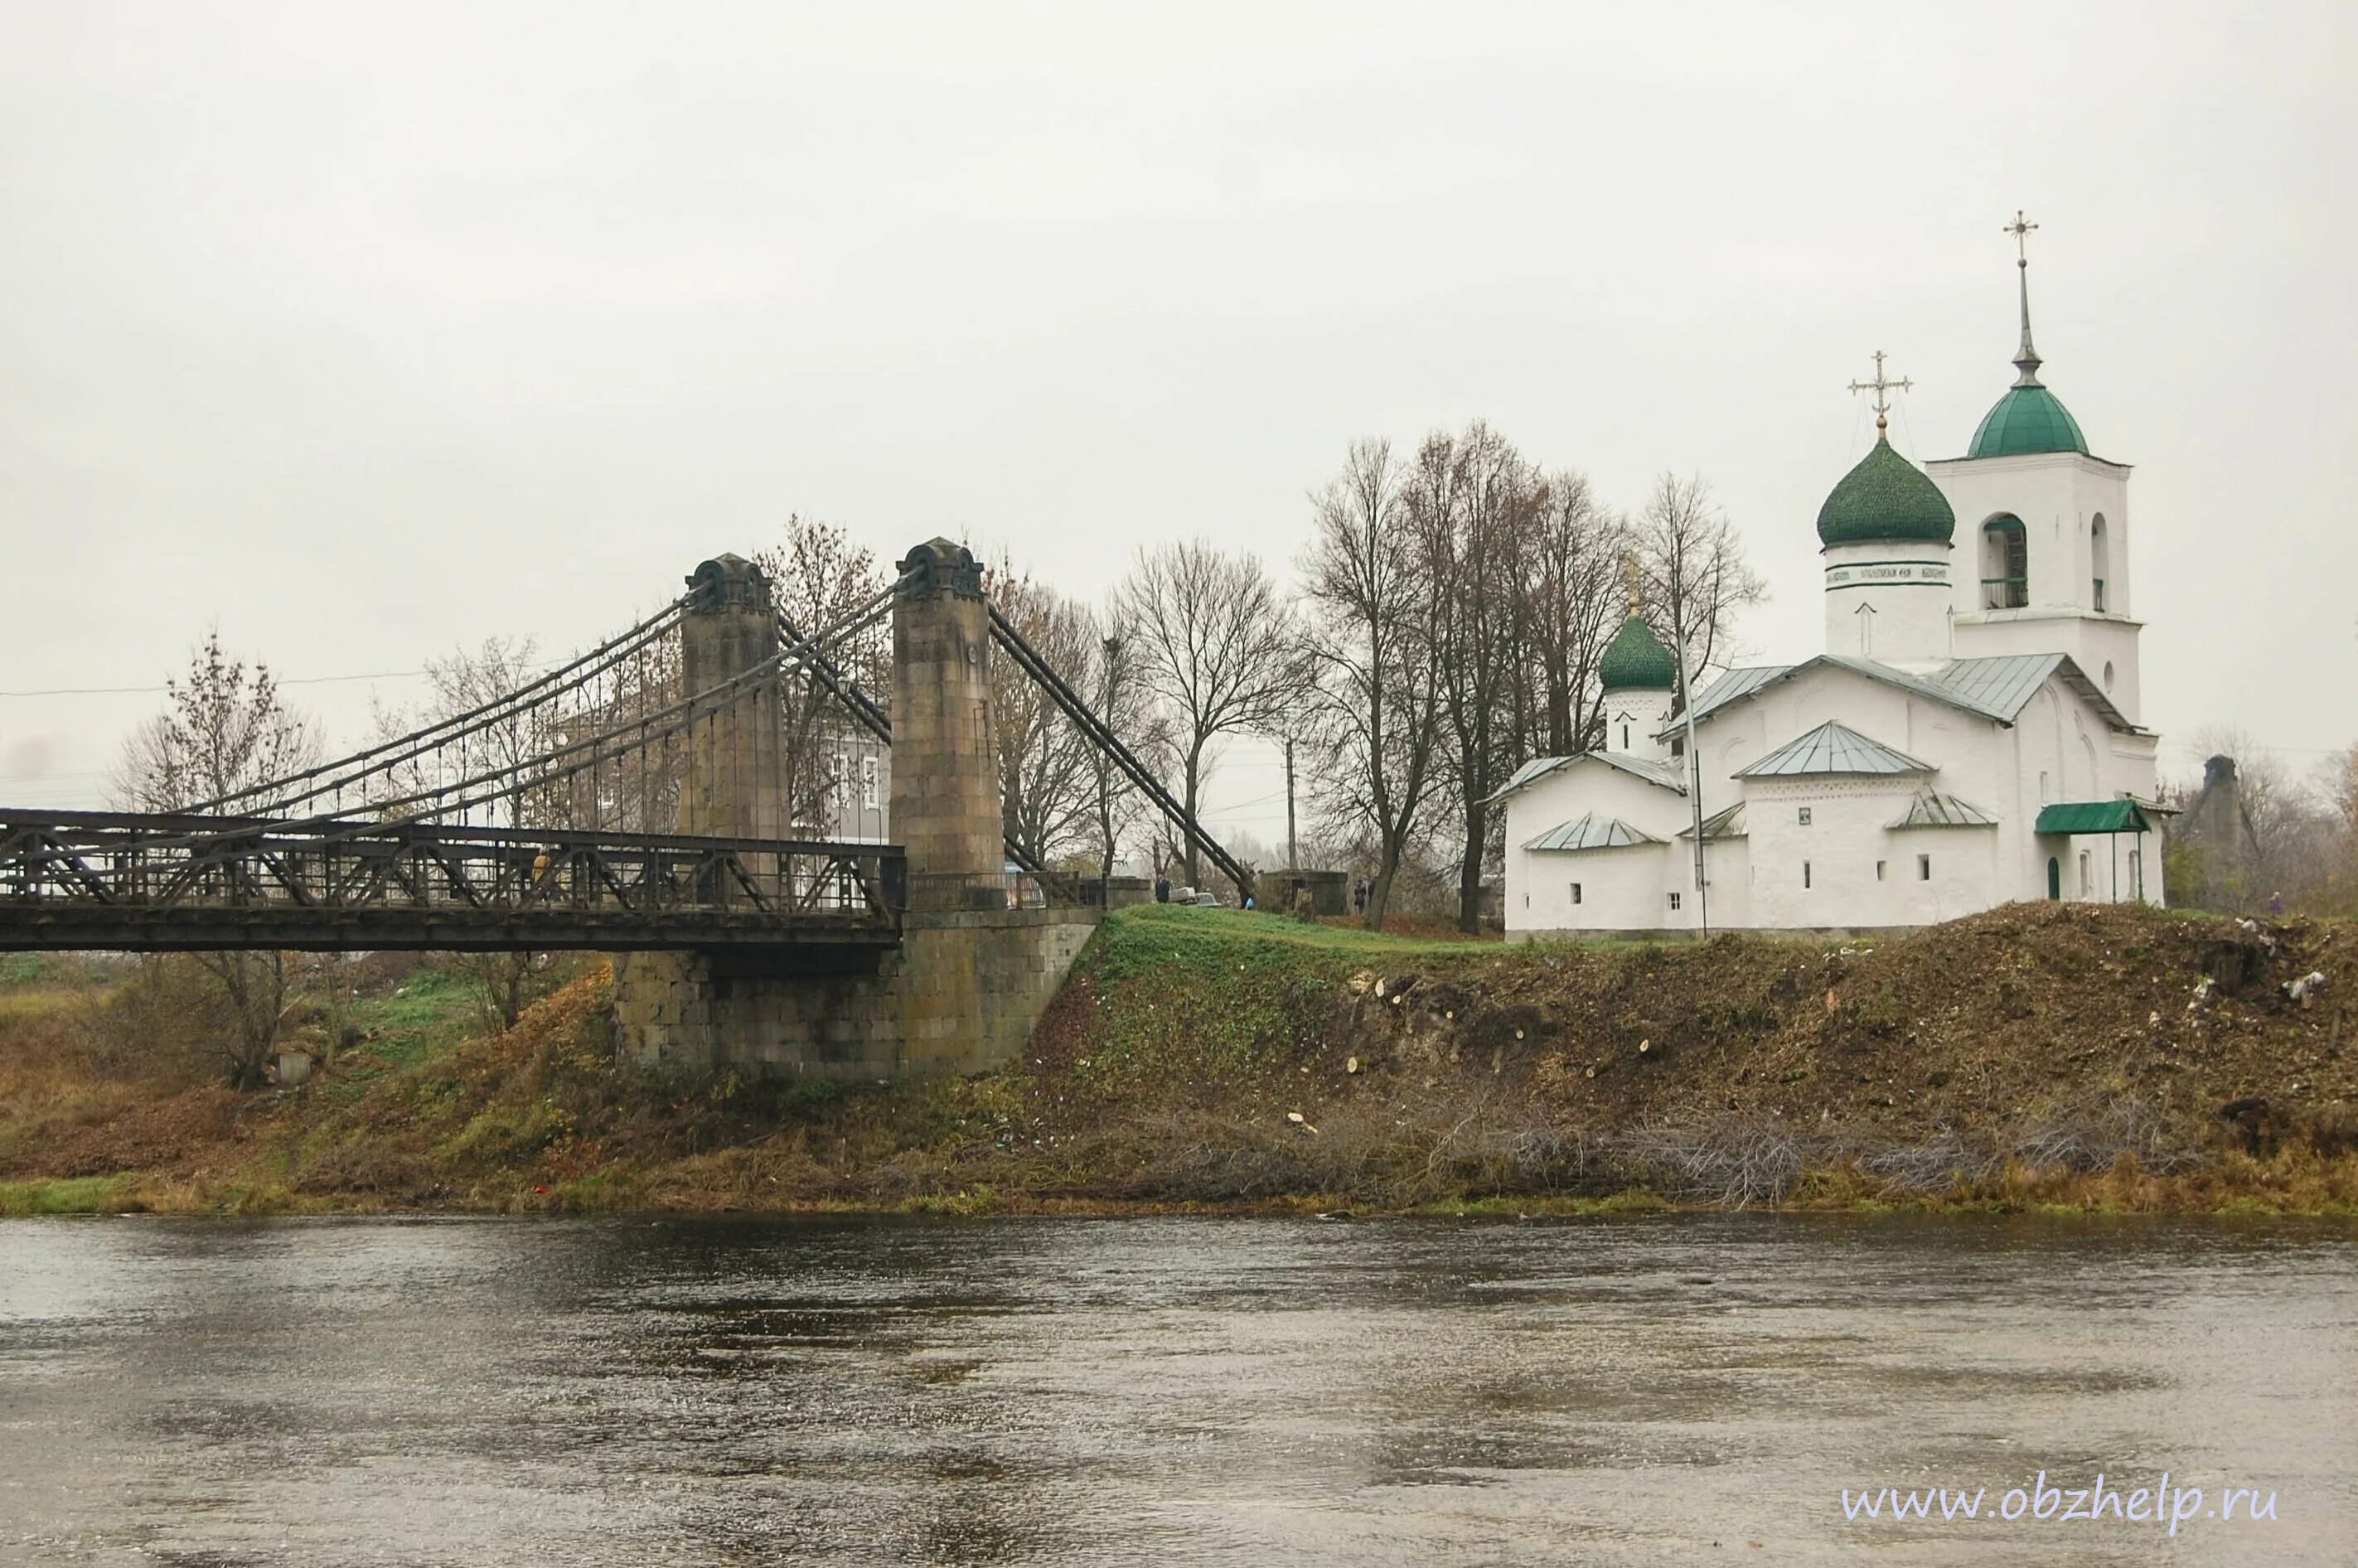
2045	563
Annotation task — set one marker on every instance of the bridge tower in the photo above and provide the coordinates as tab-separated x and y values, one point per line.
976	964
945	749
734	786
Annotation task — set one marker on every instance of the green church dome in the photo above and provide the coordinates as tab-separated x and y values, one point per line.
1885	497
2029	418
1636	659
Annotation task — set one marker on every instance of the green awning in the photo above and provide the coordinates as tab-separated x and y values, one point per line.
2093	816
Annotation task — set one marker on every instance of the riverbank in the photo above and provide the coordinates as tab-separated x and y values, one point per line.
2036	1056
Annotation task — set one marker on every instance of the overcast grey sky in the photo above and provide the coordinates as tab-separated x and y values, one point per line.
369	330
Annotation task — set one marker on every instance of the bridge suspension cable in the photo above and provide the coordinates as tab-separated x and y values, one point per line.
353	771
1101	735
638	732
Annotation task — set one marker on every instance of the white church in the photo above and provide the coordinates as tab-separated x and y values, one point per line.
1969	737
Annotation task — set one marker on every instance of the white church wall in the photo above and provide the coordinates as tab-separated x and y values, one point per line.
1939	874
1537	892
2055	494
1822	872
2104	649
1889	600
1619	890
2059	496
1633	719
1727	862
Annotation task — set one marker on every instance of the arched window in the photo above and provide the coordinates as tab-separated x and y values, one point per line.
2108	675
2100	562
2005	563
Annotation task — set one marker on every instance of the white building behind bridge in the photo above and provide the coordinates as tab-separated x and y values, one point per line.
1971	734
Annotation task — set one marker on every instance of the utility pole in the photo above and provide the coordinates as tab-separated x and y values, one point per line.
1694	776
1675	596
1292	850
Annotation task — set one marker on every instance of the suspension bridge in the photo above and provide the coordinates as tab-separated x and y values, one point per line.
662	796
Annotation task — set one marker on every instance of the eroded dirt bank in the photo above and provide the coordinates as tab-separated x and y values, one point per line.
2106	1057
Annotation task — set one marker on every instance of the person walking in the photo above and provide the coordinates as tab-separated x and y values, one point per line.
1163	890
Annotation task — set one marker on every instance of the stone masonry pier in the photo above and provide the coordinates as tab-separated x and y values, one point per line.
971	974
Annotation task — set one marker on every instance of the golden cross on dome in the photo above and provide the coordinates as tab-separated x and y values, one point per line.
1630	574
1881	386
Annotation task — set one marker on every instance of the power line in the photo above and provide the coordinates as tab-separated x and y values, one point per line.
134	690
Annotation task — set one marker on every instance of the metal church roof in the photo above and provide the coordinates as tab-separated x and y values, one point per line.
1724	824
1529	772
2093	816
1666	775
1592	832
1833	748
1933	810
1994	688
1728	688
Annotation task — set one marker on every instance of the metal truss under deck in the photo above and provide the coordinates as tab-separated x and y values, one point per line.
79	881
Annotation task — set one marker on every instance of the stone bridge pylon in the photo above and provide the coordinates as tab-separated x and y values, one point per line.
976	964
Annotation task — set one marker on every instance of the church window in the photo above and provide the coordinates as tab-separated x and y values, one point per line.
1576	892
2046	790
2100	560
1923	867
2006	564
1674	901
1678	745
1805	873
1625	737
2108	675
1805	816
1878	871
2085	878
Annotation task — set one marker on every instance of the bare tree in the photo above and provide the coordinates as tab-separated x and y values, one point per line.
1692	570
1693	573
1047	782
1379	695
224	729
463	683
1122	700
1214	642
817	575
1470	503
1566	612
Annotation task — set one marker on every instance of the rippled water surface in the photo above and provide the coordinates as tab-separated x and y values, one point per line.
623	1391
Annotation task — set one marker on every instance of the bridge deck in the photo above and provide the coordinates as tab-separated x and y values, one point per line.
135	882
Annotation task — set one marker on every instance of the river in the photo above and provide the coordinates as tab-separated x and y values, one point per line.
1668	1389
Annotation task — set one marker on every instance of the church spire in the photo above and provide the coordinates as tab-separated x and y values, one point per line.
2025	358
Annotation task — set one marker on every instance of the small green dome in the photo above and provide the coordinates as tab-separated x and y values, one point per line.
1636	661
1885	497
2029	418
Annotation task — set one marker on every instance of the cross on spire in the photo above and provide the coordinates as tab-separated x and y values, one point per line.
1881	386
2025	358
2021	228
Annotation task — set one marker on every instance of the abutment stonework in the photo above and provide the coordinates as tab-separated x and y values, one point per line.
971	976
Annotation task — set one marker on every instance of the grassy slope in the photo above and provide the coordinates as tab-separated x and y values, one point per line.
1210	1056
